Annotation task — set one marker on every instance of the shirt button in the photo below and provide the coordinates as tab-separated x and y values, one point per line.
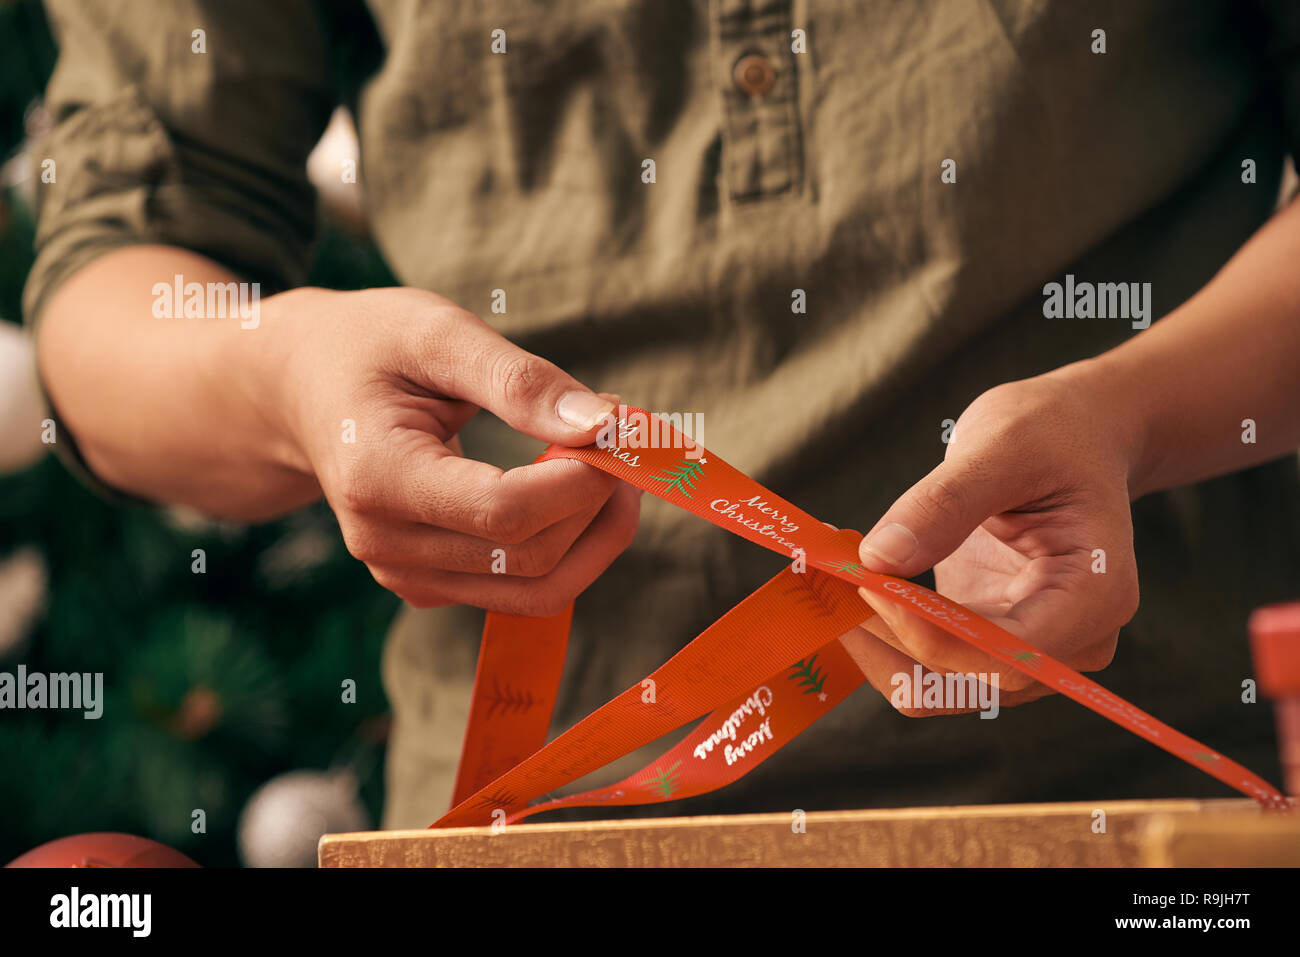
754	74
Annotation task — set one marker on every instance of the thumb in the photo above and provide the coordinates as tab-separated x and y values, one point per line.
525	391
933	517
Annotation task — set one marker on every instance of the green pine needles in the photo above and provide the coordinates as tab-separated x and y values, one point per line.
665	783
681	477
810	678
1031	659
853	568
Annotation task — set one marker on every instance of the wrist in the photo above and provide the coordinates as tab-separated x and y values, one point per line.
261	358
1108	392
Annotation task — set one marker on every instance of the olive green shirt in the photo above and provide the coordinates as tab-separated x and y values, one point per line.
828	253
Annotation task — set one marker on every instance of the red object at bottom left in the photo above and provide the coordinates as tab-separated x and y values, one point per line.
103	849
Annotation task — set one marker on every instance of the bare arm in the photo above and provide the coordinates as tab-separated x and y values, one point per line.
354	395
1230	353
173	410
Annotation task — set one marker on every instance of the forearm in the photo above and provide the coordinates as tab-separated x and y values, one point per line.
170	409
1181	392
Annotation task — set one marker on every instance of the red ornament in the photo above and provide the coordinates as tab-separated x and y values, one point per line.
102	850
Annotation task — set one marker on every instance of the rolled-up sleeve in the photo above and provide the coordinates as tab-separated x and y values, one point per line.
183	123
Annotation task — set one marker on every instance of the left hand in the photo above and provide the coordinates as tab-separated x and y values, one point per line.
1027	522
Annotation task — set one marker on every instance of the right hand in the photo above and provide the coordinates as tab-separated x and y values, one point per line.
410	368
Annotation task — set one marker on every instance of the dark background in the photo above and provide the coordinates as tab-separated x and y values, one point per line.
213	683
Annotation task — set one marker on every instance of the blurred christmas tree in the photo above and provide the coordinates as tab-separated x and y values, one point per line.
214	682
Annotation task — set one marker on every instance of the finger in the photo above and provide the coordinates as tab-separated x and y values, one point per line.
876	626
421	481
422	548
604	539
938	513
1012	699
880	628
887	670
938	650
1087	644
467	359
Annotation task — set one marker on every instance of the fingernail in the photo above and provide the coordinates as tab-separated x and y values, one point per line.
582	410
894	544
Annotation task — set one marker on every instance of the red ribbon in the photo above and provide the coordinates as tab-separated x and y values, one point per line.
763	672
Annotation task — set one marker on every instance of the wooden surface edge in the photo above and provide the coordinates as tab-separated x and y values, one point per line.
1221	840
1077	833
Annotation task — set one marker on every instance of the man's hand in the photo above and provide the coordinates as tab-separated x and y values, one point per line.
376	386
358	395
1033	493
1027	522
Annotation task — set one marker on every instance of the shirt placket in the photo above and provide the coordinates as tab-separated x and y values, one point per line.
761	149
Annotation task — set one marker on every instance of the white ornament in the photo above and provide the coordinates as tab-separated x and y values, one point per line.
23	589
333	167
22	407
283	821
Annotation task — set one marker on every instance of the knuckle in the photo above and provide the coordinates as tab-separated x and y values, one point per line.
363	544
542	602
1099	657
1130	599
1017	426
534	559
354	491
913	712
503	523
520	378
390	580
423	599
942	501
1025	410
404	587
1013	680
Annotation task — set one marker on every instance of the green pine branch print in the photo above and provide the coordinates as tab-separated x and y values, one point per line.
497	799
813	592
809	678
507	700
682	476
664	783
1031	659
853	568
